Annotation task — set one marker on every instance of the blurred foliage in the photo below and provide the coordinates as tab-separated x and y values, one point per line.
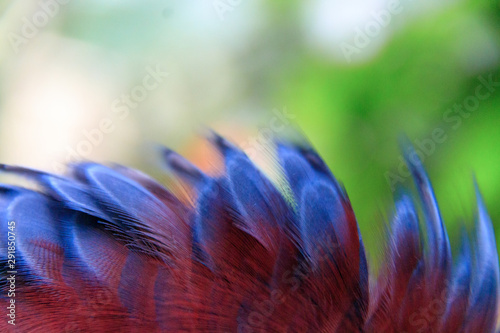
355	114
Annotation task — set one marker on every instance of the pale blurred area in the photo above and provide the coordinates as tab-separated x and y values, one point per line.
63	80
232	63
223	60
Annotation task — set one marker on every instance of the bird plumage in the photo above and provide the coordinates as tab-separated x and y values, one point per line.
108	249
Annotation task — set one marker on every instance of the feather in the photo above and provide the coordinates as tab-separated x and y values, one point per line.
107	249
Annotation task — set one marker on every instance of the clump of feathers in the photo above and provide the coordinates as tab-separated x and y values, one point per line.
108	249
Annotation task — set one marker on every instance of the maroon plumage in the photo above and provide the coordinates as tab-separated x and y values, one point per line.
108	249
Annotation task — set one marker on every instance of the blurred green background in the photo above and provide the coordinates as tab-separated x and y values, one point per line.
353	76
